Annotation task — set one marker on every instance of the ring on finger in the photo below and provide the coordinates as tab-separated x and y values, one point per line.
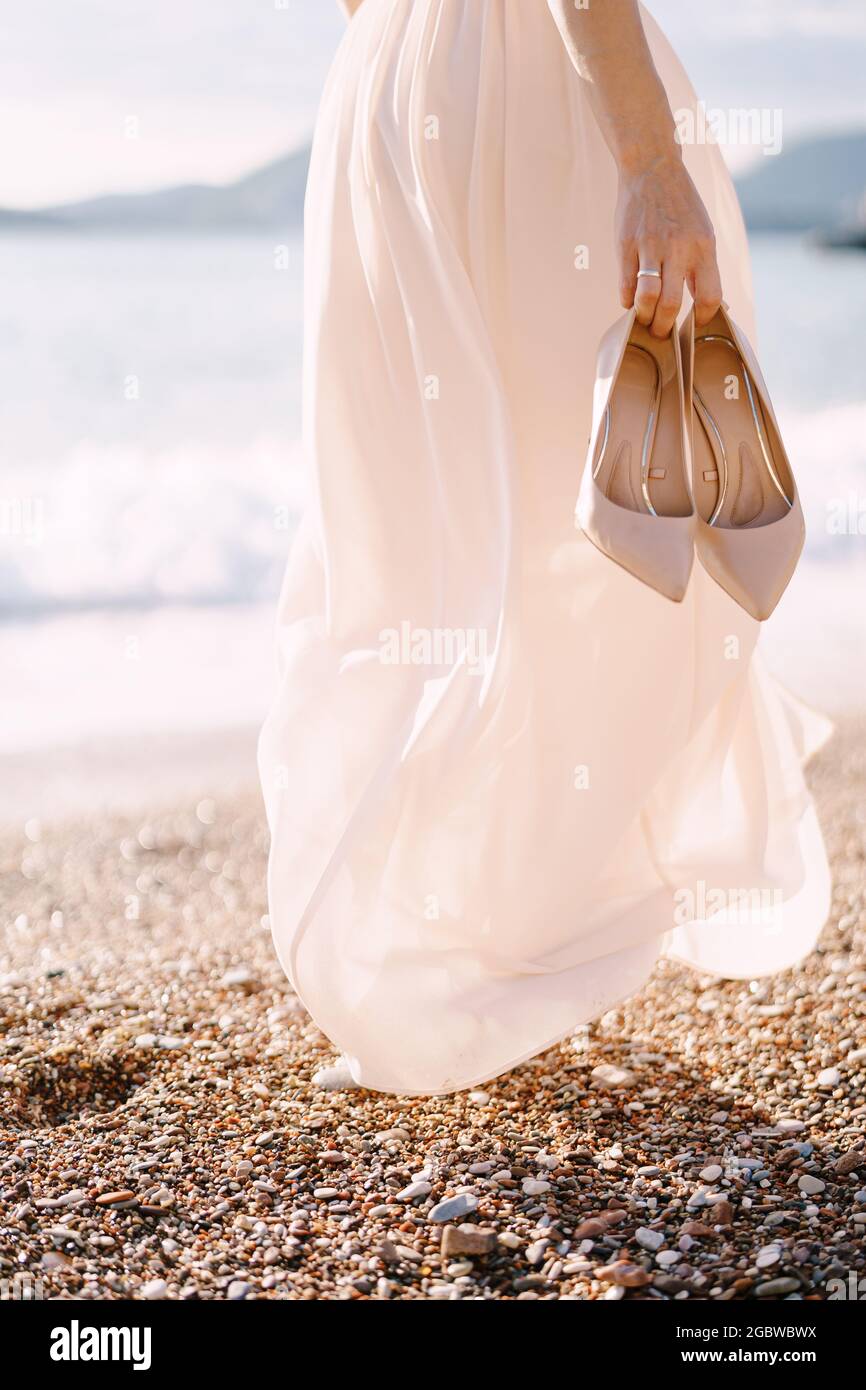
651	274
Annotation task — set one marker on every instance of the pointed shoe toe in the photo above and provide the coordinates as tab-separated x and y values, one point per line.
754	570
750	528
657	550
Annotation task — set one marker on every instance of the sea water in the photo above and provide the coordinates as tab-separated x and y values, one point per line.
151	474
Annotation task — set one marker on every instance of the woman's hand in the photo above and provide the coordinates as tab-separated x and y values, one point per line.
661	224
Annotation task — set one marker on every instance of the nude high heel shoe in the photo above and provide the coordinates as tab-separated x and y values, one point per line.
634	502
750	527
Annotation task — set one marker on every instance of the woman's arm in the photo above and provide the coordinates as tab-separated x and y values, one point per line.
349	7
661	223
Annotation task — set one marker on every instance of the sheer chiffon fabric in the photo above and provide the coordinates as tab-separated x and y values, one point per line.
502	776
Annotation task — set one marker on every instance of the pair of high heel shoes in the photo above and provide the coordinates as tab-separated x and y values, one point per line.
686	456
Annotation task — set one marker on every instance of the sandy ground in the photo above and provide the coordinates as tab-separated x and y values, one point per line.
162	1134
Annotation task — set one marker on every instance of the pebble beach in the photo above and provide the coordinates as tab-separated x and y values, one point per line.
173	1125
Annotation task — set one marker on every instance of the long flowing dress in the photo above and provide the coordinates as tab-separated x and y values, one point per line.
502	776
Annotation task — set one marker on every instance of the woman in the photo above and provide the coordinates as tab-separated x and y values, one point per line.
502	776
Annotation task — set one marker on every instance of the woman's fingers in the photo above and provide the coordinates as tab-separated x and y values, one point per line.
648	289
629	266
669	300
657	299
707	292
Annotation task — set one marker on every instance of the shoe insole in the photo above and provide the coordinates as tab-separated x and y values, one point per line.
633	411
729	463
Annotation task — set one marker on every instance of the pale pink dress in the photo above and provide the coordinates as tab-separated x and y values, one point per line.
473	855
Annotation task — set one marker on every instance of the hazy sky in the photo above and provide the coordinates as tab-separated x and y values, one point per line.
211	88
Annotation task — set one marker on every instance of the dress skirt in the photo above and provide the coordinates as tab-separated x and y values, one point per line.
502	776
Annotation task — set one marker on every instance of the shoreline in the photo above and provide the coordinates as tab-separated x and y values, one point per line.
117	710
125	775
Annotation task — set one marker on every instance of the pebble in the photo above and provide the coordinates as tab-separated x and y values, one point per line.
335	1078
777	1288
849	1161
415	1190
769	1255
623	1273
467	1240
712	1173
525	1282
830	1076
154	1288
454	1207
535	1187
69	1199
590	1230
239	977
670	1284
52	1260
650	1240
696	1228
396	1135
612	1077
810	1184
405	1252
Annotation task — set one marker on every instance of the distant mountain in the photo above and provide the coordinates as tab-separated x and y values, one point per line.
815	185
268	199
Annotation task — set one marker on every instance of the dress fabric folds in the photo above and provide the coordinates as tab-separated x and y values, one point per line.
502	776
